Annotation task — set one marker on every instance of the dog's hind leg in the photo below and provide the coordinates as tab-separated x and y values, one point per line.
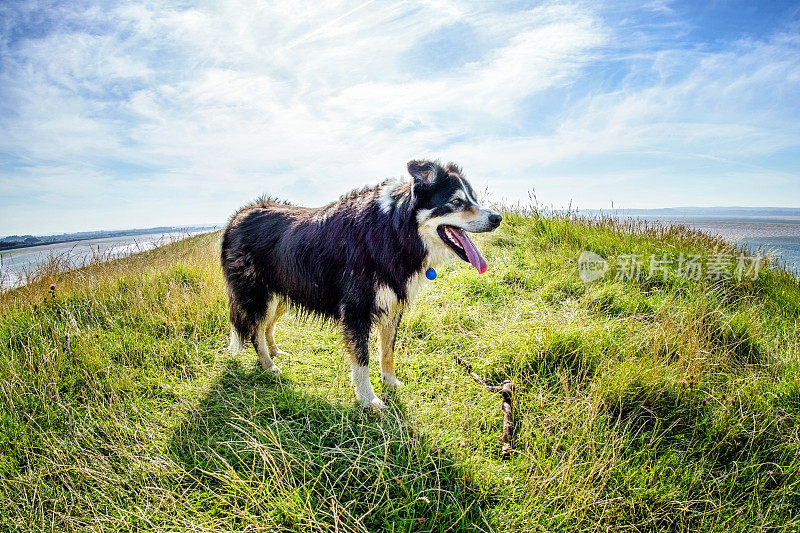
356	339
269	330
264	340
387	331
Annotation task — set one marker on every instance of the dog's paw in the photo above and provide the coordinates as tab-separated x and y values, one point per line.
372	403
377	403
275	369
391	382
279	353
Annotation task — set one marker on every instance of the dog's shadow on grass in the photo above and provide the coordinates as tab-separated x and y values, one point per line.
263	453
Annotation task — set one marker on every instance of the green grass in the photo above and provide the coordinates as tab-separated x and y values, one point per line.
659	404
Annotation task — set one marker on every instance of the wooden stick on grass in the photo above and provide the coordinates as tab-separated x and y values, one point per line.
506	389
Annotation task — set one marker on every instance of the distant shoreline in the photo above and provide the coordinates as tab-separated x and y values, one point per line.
784	213
17	242
19	266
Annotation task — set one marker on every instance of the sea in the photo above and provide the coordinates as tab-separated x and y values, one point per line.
16	265
777	238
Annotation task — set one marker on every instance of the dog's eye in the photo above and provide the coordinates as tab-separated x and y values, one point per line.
457	202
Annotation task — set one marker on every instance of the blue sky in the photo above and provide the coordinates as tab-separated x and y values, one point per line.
146	113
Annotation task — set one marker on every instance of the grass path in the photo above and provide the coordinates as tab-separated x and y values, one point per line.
661	404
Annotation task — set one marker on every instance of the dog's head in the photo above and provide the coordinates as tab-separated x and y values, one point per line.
446	209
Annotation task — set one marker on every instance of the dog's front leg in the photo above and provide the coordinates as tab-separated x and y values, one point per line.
387	330
356	337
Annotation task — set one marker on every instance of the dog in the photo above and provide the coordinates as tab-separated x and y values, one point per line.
360	261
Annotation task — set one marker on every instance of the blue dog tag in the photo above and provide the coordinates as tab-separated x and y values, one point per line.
430	273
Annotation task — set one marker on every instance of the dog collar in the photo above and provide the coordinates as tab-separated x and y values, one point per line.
430	273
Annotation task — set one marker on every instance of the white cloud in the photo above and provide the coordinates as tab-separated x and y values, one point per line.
213	104
733	107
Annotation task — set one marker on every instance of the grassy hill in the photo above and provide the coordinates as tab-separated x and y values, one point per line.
661	403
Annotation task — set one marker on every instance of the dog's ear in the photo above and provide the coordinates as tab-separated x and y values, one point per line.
452	167
423	172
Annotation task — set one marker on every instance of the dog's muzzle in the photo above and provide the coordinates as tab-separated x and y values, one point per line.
490	221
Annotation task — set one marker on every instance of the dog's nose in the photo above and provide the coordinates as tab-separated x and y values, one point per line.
495	219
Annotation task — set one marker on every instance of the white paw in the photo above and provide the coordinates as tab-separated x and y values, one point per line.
391	382
377	403
279	353
275	369
373	403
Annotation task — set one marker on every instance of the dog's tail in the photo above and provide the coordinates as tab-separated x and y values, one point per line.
237	342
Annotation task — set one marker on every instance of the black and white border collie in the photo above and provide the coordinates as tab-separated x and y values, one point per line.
359	261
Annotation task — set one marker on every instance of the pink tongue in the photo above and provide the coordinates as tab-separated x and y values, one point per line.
474	256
